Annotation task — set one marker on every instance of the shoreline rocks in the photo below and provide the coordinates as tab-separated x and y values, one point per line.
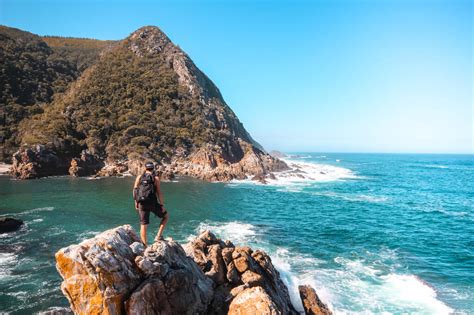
113	273
87	164
36	162
207	163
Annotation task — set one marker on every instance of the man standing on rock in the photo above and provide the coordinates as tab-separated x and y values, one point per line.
149	198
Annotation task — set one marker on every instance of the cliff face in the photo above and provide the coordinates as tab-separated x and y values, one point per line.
145	99
113	273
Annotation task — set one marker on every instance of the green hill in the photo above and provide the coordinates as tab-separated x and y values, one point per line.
31	74
123	102
146	97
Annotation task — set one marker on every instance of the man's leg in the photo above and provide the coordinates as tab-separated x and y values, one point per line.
143	228
162	226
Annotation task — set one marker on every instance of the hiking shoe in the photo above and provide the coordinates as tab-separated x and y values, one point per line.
159	238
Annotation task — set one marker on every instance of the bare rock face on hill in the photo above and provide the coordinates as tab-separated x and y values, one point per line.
113	273
145	99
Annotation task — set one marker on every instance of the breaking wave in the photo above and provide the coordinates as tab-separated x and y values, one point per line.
368	285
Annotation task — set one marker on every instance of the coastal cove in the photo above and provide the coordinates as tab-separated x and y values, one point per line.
372	232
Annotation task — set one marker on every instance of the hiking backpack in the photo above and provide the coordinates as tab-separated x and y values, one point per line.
146	189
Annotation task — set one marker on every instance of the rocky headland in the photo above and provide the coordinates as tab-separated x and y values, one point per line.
113	273
135	100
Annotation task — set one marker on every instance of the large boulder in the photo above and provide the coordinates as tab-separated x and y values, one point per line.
113	273
174	283
100	273
9	225
235	270
253	301
311	302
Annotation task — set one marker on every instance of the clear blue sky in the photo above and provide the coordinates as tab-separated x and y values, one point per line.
363	76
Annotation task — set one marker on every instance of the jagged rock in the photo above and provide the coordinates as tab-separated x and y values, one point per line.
218	268
36	162
138	248
9	225
253	301
104	275
311	302
87	164
149	298
99	273
174	285
244	269
232	273
113	273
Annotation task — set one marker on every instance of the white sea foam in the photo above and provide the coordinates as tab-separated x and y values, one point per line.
436	166
36	210
7	262
352	286
351	197
303	174
306	171
238	232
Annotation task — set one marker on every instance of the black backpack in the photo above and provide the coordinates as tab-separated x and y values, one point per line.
145	193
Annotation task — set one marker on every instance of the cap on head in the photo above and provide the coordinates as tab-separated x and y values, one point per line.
150	166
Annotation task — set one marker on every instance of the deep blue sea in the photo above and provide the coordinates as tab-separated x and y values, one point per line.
373	233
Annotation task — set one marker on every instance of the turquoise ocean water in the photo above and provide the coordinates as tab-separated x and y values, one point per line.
372	233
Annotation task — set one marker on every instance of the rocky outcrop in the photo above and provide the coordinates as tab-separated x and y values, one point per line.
113	273
100	273
253	301
311	302
87	164
206	164
173	283
242	275
9	225
36	162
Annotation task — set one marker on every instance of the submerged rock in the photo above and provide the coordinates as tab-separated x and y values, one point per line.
311	302
9	225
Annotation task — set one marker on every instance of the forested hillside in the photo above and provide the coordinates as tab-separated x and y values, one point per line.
132	102
32	73
118	103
